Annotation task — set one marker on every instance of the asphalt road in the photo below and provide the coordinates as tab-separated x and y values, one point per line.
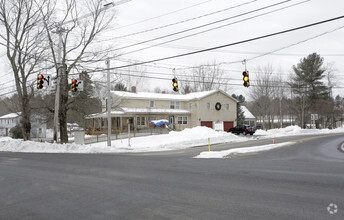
293	182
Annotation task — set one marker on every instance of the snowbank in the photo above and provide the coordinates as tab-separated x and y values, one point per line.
295	130
187	138
225	153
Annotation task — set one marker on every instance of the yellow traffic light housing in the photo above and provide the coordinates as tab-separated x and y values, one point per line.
175	84
246	78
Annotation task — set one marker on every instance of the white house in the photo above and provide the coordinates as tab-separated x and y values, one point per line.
215	109
7	122
38	124
250	119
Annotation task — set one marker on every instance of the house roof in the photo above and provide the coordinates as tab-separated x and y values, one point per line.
247	113
11	115
161	96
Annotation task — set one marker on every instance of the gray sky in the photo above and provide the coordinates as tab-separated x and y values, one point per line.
137	15
132	17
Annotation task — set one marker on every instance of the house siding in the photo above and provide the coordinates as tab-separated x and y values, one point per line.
192	117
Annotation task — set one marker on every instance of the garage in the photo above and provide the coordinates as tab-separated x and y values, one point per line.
227	125
208	124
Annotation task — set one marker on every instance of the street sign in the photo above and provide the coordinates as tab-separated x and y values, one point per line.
80	85
314	117
47	80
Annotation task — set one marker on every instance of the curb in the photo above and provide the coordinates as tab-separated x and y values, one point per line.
342	147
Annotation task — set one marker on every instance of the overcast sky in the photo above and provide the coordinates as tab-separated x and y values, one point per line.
137	15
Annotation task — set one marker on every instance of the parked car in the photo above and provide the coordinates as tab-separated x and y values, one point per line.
242	129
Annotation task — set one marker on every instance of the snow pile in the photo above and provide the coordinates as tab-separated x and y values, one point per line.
225	153
187	138
197	136
295	130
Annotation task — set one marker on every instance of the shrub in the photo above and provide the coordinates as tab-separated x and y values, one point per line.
16	132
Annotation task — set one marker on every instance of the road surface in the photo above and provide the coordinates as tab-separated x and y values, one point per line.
301	181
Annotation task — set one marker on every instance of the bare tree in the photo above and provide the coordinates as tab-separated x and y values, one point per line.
203	78
266	88
77	31
22	31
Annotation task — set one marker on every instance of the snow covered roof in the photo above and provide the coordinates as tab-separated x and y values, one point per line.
247	113
161	96
11	115
155	111
139	111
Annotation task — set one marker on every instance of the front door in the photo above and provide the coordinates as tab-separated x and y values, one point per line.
172	121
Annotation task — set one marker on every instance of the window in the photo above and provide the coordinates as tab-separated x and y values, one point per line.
140	120
182	120
190	106
152	118
227	106
208	105
174	105
151	104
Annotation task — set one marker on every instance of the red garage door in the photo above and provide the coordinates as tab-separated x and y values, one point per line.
208	124
227	125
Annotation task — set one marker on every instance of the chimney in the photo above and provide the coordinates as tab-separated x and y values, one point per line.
163	92
133	89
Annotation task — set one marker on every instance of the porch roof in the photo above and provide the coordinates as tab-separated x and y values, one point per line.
129	112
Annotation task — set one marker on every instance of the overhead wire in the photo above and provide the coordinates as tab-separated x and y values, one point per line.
205	25
211	29
198	81
163	15
197	33
228	45
271	52
179	22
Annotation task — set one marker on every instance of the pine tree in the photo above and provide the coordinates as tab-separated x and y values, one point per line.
306	84
84	102
240	113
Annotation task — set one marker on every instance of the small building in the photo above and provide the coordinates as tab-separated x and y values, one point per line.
7	122
250	119
215	109
38	124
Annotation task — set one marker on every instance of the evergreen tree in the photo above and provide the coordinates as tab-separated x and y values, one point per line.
120	87
240	112
307	85
83	102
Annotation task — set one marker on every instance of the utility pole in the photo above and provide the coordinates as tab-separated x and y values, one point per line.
108	104
60	70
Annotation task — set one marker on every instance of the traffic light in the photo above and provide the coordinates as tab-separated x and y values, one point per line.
175	84
40	82
74	85
246	79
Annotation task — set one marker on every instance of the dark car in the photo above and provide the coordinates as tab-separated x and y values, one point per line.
242	129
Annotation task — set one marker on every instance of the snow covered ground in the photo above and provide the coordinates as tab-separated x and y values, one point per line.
187	138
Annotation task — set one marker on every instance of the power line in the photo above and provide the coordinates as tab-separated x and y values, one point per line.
291	45
204	25
172	12
228	45
185	47
179	22
211	29
218	83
